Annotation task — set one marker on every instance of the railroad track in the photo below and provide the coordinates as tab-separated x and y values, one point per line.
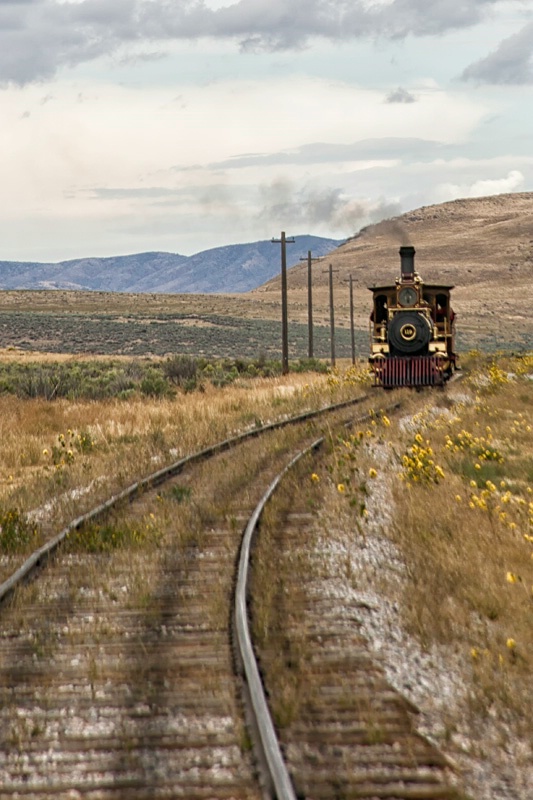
344	731
116	669
117	674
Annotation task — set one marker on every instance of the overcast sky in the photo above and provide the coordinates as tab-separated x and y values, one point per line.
180	125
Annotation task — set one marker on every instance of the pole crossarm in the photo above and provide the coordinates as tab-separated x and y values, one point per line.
284	241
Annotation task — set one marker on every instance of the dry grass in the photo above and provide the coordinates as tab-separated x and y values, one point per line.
461	517
278	598
59	458
467	534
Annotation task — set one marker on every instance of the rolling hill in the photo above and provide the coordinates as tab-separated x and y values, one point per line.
483	246
234	268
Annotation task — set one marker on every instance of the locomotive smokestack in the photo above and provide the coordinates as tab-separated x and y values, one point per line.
407	255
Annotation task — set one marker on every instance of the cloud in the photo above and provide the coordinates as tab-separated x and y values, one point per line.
293	206
400	95
381	149
513	182
38	37
511	63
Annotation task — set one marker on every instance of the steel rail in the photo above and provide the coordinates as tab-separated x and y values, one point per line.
267	741
39	556
278	775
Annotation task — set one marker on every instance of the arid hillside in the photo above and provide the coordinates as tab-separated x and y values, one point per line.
482	246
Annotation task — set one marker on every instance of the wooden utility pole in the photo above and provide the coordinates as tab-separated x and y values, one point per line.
352	330
332	314
284	310
310	260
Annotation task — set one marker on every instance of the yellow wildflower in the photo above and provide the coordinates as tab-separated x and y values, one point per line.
315	478
372	473
341	488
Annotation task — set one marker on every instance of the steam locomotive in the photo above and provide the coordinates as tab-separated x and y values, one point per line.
412	330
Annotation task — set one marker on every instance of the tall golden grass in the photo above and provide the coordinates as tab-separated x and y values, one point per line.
58	458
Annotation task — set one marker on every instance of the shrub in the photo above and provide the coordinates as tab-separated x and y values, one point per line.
154	383
181	370
16	533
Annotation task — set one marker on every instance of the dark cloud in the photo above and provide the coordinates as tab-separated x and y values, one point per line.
38	37
400	95
430	17
511	63
285	203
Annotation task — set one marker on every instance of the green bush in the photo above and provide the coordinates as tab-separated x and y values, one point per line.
98	380
154	383
16	533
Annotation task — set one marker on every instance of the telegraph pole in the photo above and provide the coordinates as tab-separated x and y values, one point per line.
309	260
352	330
284	312
332	314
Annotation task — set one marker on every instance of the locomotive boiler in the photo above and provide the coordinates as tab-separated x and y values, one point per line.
412	327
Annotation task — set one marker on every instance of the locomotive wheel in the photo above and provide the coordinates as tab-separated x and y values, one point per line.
409	333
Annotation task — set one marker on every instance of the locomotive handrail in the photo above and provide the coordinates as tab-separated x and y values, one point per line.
40	555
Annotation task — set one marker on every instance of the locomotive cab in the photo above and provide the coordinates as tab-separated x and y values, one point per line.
411	330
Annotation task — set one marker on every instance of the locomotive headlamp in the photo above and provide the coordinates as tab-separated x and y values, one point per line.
407	296
408	332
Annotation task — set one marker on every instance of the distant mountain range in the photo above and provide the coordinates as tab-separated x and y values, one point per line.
234	268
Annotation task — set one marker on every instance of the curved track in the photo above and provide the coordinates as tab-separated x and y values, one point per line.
117	674
343	730
276	774
39	556
116	670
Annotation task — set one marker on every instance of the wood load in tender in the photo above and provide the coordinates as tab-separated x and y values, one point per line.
412	327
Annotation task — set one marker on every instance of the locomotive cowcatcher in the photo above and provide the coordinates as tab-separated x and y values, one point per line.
411	330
